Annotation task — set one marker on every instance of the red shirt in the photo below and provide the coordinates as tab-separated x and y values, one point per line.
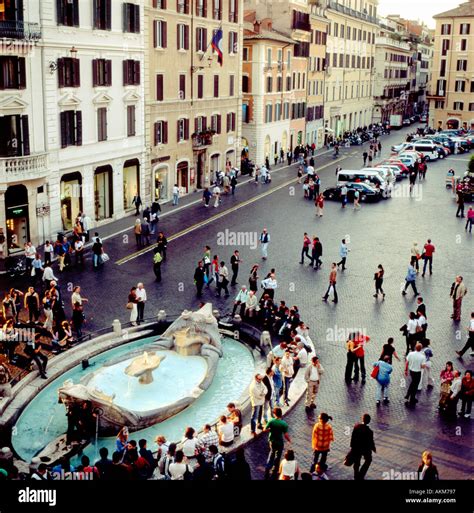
429	250
306	242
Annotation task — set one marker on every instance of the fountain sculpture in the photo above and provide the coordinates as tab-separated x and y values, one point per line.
142	367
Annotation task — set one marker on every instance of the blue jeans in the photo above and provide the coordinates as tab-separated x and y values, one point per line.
270	404
430	260
381	389
256	415
273	460
175	199
97	260
287	387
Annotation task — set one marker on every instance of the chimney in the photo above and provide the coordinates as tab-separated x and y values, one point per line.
257	27
267	24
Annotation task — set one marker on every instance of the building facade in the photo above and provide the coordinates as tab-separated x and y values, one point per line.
267	89
350	64
316	76
452	86
193	104
77	131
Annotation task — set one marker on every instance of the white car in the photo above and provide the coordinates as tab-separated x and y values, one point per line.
395	172
399	147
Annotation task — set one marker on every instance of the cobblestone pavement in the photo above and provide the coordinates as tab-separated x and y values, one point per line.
379	233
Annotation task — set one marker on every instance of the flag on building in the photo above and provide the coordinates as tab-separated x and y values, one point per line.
216	44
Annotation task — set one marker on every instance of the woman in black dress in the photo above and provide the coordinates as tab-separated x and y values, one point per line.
253	278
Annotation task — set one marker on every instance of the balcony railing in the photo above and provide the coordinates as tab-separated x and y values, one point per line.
20	169
388	41
332	4
202	140
302	25
20	30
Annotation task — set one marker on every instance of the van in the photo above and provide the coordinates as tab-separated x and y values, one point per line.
366	175
384	171
430	152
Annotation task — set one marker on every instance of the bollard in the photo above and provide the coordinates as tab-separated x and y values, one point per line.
216	314
162	316
117	327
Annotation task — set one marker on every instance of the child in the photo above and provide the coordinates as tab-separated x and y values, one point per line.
320	472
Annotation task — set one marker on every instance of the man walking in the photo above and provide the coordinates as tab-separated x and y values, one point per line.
264	240
317	253
305	249
235	261
362	444
343	196
429	249
410	280
137	201
199	278
470	341
278	431
332	283
415	363
343	251
356	200
460	202
458	291
364	156
223	280
141	296
257	391
312	376
175	194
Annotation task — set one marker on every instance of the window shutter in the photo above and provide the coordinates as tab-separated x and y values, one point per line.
108	72
60	72
136	72
137	19
165	132
164	29
59	12
63	128
205	39
178	47
236	10
182	87
186	37
200	86
25	135
186	129
21	73
204	8
108	14
196	125
216	86
95	72
218	128
125	17
233	121
75	13
230	42
155	36
159	88
197	39
96	14
204	123
228	122
125	72
177	131
155	126
78	127
155	2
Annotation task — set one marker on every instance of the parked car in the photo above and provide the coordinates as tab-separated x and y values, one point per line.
428	150
367	193
406	122
403	168
395	170
399	147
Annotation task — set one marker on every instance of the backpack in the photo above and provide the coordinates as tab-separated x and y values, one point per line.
157	258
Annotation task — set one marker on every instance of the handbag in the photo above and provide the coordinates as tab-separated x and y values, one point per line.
375	372
105	257
349	459
129	305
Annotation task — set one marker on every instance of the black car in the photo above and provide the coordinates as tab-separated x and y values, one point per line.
367	193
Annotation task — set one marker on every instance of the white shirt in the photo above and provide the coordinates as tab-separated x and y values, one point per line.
286	367
86	223
216	190
48	248
421	321
288	468
76	298
177	470
471	325
175	190
226	431
269	283
189	447
224	272
456	386
141	294
30	252
310	170
415	359
48	274
303	356
78	245
411	326
314	375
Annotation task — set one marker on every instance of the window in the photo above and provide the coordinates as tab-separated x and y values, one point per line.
288	83
12	72
216	10
160	37
182	130
233	11
277	111
161	132
200	124
159	87
201	8
182	37
359	35
182	87
216	123
471	106
444	47
68	72
245	54
269	57
231	122
279	84
286	110
131	72
216	86
269	85
348	59
102	14
442	69
458	105
334	60
231	85
232	43
445	29
101	72
67	12
131	18
441	87
342	31
460	86
245	84
14	136
71	128
268	113
353	61
335	30
439	104
102	124
348	33
294	80
200	86
288	59
159	4
182	6
472	86
464	29
131	118
341	60
463	45
201	39
303	80
461	65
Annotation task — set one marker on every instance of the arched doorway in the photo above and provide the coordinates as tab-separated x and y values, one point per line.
284	141
452	123
182	176
230	157
131	182
267	147
103	196
71	199
17	218
215	165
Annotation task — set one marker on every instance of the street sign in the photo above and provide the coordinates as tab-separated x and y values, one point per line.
43	211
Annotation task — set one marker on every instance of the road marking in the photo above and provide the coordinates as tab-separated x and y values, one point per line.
201	224
464	160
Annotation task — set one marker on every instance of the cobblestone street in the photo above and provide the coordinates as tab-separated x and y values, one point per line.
380	233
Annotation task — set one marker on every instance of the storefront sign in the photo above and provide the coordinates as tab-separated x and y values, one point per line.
160	159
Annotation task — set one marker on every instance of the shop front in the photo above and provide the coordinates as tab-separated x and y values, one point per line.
71	199
131	182
160	183
182	177
17	218
103	199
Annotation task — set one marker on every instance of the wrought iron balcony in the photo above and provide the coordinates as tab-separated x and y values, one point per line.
202	140
20	30
21	169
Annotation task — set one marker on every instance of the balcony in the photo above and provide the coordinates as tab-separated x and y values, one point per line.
333	4
202	140
302	25
20	30
21	169
388	41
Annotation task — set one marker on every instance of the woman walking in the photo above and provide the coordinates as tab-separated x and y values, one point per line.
415	256
138	232
132	305
48	311
322	437
319	203
253	278
446	376
378	277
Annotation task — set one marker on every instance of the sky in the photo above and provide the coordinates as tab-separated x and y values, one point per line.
417	9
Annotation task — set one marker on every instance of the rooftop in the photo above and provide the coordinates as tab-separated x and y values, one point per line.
464	10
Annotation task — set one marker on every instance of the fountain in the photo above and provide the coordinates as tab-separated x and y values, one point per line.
176	369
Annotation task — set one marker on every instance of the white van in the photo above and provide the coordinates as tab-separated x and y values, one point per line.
384	171
429	151
369	175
